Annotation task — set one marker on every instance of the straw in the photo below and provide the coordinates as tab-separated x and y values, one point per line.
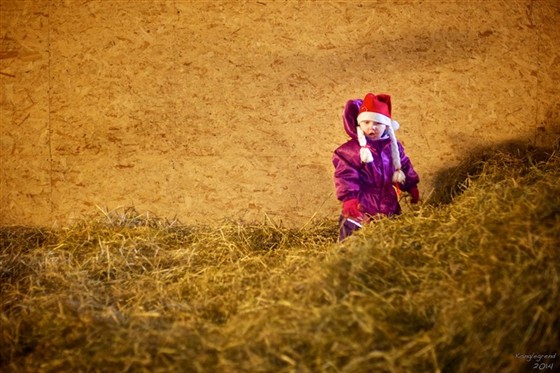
467	282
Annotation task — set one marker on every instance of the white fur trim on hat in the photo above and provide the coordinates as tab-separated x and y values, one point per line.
365	153
374	117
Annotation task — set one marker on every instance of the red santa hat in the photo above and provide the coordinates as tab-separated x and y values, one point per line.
377	108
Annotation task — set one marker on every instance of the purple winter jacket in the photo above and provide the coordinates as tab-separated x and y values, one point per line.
370	183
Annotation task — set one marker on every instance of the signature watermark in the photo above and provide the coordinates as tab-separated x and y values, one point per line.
539	361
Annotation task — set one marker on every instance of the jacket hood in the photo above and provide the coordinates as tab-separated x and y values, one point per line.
349	116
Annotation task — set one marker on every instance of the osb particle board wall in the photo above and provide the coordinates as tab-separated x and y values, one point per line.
208	110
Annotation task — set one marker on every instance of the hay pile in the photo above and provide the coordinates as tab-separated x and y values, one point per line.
469	285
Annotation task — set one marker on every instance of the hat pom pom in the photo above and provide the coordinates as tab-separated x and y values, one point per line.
365	155
399	177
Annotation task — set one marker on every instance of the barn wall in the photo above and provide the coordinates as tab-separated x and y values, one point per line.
207	110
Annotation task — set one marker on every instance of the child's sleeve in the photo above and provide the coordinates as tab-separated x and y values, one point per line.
346	178
412	178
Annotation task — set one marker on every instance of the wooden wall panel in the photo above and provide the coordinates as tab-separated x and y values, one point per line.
25	167
209	110
547	19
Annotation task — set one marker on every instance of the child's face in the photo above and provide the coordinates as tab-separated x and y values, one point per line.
373	130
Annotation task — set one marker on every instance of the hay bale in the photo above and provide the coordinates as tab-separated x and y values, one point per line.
468	285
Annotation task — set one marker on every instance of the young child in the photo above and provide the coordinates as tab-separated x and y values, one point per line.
371	169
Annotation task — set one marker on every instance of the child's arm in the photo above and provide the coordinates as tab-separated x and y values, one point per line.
412	178
346	178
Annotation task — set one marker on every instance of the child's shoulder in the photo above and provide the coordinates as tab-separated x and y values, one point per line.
350	151
348	146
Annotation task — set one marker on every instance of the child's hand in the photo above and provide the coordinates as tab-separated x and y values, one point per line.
352	209
414	195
